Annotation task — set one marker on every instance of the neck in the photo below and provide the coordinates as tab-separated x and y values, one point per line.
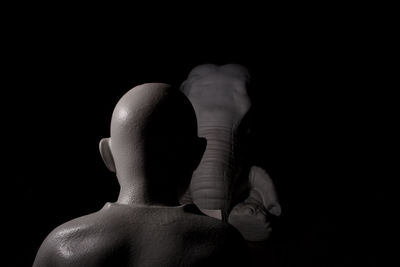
138	195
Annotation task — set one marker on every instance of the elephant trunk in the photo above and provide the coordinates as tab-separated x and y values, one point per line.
212	181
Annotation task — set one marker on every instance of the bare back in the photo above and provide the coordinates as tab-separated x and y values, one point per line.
122	235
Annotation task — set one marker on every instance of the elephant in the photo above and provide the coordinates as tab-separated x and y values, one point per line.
224	186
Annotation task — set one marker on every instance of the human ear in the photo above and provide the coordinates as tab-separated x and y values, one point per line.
106	155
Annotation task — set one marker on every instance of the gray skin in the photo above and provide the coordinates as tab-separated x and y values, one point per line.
153	149
220	99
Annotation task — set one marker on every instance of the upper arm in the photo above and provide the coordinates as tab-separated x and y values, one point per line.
46	254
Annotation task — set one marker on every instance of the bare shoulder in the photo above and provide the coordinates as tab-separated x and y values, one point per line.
85	241
221	243
220	234
212	227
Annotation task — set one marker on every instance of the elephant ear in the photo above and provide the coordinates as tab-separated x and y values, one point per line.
263	190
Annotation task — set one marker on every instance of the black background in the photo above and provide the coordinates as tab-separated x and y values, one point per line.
320	121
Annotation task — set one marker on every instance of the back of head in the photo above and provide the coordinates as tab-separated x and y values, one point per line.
154	136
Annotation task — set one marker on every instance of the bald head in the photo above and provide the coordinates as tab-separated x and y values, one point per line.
153	136
149	106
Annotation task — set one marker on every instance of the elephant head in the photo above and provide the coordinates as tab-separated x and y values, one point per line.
221	101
